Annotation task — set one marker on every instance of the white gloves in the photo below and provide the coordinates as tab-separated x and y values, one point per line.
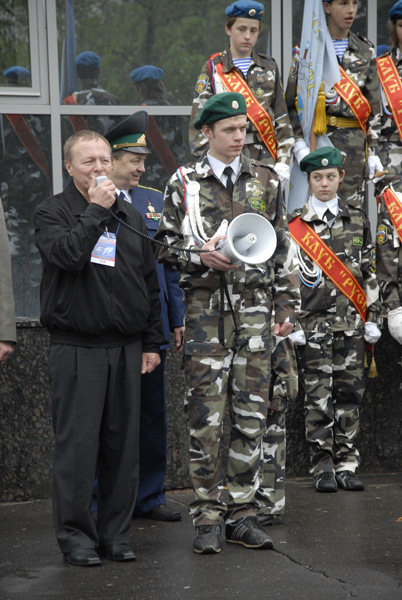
300	150
371	332
395	324
283	172
374	166
298	337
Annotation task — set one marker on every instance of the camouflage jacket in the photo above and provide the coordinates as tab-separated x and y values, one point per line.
389	131
359	62
325	306
263	78
256	190
389	255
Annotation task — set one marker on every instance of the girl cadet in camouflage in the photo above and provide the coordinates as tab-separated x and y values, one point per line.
260	73
340	309
390	75
356	56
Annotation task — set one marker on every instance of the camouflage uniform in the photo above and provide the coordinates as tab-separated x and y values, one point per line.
95	96
359	61
263	79
227	355
332	359
390	146
284	387
389	256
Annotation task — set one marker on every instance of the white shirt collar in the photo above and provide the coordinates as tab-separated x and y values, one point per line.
218	167
126	193
320	207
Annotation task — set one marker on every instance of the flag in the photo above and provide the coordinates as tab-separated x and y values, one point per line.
317	62
68	75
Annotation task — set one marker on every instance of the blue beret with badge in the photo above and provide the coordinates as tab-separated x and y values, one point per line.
20	74
322	158
246	8
146	72
129	134
221	106
396	11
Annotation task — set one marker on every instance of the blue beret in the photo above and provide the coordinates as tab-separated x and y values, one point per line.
88	59
381	48
20	73
396	11
246	8
147	72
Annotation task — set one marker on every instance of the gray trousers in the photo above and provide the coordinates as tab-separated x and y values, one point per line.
96	394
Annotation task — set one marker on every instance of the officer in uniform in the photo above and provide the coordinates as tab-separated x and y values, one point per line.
227	344
129	152
390	150
357	56
261	74
340	309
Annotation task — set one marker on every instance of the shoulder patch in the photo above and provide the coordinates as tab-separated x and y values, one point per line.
202	83
357	241
382	234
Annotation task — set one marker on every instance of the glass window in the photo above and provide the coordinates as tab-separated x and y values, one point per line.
176	37
25	180
383	9
14	44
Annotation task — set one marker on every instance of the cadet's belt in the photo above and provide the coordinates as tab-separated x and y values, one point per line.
341	121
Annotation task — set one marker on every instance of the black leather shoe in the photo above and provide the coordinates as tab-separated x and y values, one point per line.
118	552
326	482
347	480
163	512
207	539
83	557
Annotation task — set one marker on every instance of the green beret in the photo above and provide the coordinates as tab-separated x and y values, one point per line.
221	106
322	158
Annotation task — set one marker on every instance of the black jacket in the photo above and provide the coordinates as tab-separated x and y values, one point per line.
88	304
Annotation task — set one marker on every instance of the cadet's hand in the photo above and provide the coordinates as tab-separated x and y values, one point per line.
5	351
283	329
150	360
178	338
214	259
103	194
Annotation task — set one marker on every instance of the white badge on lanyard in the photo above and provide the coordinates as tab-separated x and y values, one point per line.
104	252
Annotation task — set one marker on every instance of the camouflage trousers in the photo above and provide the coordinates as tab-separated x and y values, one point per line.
237	372
390	155
332	365
283	388
352	144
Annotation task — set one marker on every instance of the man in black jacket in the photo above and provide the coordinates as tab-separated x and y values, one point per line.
99	301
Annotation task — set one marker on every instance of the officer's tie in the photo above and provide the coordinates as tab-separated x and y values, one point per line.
228	171
329	217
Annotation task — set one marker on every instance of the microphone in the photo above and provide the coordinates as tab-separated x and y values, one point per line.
100	179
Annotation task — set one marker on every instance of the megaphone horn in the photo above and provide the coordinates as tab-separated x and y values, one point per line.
250	239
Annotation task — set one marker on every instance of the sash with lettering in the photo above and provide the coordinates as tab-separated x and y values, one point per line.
354	98
392	85
77	121
331	265
394	208
257	114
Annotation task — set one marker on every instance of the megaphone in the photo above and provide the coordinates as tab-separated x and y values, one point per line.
250	239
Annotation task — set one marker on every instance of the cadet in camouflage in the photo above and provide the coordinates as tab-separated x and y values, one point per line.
389	263
283	388
390	145
227	343
263	78
333	357
359	62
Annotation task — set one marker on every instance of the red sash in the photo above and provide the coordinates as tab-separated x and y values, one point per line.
77	121
332	266
352	94
30	142
394	208
160	146
257	114
392	85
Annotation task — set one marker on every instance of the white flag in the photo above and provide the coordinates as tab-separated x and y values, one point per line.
317	62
